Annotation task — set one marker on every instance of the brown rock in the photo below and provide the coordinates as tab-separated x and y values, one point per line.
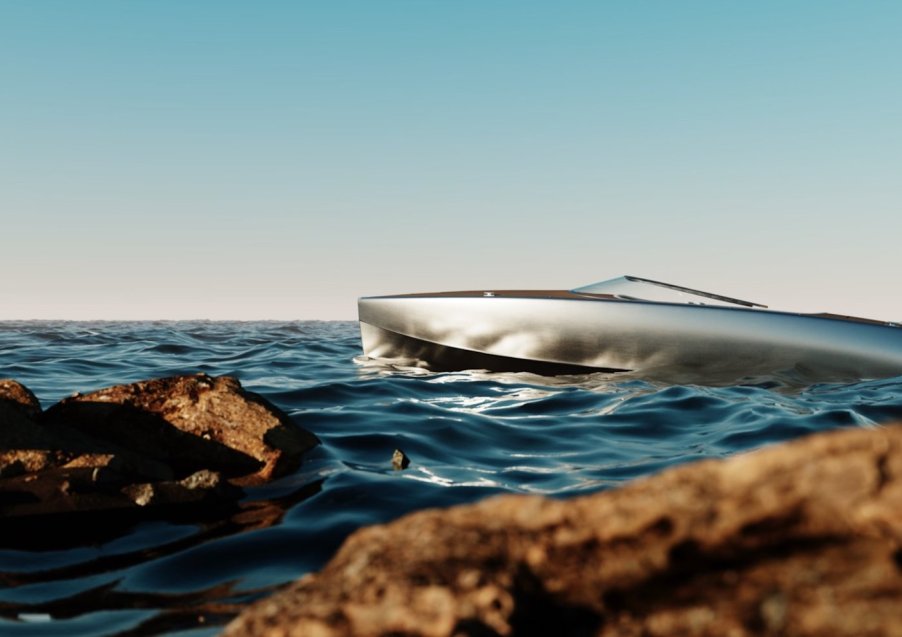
14	394
191	423
399	460
15	462
28	445
798	539
153	449
69	506
24	446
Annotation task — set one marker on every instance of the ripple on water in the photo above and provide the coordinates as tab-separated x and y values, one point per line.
468	434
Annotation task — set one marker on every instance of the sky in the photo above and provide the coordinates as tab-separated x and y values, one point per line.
277	160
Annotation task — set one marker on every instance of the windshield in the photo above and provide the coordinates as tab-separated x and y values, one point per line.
636	288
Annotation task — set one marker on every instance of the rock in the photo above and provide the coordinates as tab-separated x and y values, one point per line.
196	487
92	489
399	460
191	423
24	445
28	445
798	539
66	507
16	395
140	494
160	448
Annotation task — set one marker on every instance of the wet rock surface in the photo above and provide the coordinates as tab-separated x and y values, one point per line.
179	446
193	422
803	538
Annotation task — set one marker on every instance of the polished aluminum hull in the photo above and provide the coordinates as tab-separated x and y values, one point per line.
560	332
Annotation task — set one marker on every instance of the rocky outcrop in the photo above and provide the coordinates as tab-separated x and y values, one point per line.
24	446
156	447
798	539
17	398
191	423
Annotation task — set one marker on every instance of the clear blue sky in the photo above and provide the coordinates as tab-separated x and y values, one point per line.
211	159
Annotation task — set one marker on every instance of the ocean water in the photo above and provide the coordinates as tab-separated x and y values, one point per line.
468	435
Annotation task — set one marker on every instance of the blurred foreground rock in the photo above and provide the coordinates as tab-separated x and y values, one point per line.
797	539
156	447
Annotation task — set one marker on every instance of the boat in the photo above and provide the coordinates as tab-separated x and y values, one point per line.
627	324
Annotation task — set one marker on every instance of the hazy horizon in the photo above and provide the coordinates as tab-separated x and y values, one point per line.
230	160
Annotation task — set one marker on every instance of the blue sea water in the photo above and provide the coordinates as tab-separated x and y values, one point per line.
469	435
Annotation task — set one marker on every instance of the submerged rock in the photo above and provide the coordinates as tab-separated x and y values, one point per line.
399	460
797	539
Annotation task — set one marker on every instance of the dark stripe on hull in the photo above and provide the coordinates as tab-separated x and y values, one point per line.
442	358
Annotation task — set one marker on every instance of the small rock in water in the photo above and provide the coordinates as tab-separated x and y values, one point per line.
399	460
